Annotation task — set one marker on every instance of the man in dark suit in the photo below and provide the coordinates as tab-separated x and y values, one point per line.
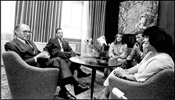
28	51
59	47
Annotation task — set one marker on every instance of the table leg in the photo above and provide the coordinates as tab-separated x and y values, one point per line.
92	81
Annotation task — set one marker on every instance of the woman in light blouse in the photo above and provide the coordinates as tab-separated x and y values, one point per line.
118	49
159	44
117	53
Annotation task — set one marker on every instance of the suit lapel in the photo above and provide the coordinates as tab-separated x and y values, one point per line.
57	42
24	46
63	43
34	47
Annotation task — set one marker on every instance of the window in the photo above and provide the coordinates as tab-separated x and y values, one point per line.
71	19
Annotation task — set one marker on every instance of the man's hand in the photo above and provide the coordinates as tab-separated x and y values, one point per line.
46	54
114	57
43	54
136	47
128	58
67	54
77	53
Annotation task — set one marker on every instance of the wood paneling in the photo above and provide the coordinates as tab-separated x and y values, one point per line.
166	19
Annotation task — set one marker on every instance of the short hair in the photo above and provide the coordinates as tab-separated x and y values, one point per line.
17	27
159	39
58	29
139	32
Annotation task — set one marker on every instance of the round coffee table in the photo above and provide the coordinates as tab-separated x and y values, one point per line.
94	64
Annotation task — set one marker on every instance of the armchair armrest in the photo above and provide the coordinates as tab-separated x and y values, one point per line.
29	82
159	86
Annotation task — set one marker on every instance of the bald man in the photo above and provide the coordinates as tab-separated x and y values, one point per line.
28	51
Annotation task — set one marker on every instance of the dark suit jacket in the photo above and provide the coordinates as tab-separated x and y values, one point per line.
26	53
24	50
54	48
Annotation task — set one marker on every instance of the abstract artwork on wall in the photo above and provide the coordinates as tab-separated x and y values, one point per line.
137	15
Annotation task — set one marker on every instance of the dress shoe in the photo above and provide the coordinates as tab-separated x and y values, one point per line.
80	88
66	95
82	74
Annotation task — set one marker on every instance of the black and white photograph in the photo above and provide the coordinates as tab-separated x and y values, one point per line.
107	49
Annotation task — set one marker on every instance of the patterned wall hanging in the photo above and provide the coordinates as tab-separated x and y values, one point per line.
137	15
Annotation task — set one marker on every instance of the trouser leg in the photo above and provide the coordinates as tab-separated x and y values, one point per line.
105	72
75	66
72	66
69	80
61	64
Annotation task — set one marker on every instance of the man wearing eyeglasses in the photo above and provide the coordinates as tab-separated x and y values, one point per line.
28	51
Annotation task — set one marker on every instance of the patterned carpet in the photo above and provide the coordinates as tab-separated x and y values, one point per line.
98	85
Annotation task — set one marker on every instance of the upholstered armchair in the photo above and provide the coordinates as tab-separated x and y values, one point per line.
29	82
160	86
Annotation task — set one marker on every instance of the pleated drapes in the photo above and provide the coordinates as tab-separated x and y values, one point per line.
43	17
97	11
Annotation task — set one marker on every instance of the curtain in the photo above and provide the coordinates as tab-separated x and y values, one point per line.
86	30
94	23
166	17
97	11
43	17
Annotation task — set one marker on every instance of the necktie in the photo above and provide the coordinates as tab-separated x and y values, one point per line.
61	44
28	43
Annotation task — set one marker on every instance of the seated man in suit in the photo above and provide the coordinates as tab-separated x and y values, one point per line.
59	47
28	51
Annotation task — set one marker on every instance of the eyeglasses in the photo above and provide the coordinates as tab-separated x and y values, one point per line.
26	31
59	32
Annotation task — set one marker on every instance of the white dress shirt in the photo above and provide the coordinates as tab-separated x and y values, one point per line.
61	45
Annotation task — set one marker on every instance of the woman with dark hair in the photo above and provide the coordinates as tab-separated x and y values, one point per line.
159	39
117	53
159	43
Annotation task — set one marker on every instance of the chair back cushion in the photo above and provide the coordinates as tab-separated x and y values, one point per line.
159	86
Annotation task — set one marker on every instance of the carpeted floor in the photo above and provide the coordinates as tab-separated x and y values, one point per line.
98	85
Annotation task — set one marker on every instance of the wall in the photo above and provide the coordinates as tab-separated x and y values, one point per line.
166	19
7	19
7	22
111	21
